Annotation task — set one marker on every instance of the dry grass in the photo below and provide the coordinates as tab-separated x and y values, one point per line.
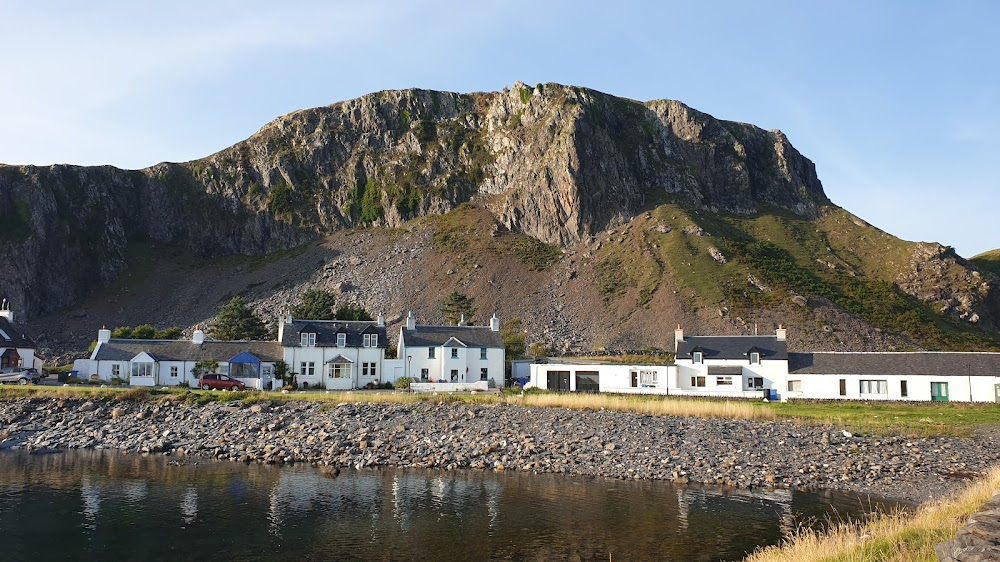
649	405
897	537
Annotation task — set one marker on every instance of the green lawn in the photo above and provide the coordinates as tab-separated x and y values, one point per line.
950	419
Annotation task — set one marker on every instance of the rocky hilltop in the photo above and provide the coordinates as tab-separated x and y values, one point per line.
602	213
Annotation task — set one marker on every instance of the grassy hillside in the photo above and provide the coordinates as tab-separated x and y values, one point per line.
988	261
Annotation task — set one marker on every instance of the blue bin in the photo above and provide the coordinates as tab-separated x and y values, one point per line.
774	394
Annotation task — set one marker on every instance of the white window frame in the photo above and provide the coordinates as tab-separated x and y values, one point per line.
430	352
795	385
454	375
116	370
371	340
482	353
874	387
724	380
307	339
647	377
752	382
339	370
754	358
142	369
368	369
341	339
174	371
697	357
307	368
698	381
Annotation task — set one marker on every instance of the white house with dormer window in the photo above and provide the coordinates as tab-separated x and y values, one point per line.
452	354
733	366
334	354
17	349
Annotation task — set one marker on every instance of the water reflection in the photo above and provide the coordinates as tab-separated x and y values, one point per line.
102	505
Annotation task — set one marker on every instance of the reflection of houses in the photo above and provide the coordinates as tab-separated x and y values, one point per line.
169	362
335	354
452	354
16	348
732	501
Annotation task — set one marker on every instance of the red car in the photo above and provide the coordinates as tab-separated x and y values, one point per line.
217	381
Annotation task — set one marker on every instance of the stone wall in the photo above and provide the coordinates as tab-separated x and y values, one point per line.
978	540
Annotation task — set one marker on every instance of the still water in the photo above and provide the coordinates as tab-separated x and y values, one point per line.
98	505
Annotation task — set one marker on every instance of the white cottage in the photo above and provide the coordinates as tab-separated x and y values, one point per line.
589	376
732	366
335	354
452	354
17	349
170	362
921	375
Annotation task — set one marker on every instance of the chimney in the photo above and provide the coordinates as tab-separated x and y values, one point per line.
780	332
678	336
103	335
461	321
281	327
381	320
6	312
411	321
495	323
198	337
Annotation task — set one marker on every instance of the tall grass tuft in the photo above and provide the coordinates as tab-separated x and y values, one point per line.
650	405
894	537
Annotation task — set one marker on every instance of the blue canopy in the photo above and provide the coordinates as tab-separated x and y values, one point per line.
244	365
246	357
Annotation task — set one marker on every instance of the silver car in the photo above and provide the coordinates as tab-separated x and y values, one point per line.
20	375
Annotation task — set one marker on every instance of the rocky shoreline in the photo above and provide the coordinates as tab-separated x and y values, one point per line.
455	436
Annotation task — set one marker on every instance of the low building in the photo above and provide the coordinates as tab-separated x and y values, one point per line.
171	362
17	349
589	376
335	354
452	354
920	375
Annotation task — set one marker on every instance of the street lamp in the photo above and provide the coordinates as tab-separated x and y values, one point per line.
409	359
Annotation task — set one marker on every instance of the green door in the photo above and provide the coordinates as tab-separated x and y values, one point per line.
939	391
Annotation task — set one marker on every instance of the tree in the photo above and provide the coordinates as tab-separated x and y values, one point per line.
513	339
352	312
143	332
454	305
122	333
171	333
315	304
236	321
204	366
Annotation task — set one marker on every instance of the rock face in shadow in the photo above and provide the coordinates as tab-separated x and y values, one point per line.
558	163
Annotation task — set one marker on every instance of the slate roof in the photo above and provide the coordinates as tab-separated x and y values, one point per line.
326	332
436	336
733	347
15	336
939	363
186	350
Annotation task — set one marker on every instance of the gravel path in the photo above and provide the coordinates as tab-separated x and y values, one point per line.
506	437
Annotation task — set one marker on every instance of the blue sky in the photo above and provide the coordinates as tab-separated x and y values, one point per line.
897	103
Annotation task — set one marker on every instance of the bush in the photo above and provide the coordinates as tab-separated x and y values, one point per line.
183	384
403	383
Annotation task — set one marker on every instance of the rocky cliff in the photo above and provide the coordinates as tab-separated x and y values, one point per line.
560	165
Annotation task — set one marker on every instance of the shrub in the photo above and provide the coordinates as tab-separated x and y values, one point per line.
403	383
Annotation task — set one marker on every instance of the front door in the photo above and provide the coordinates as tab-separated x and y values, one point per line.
939	391
996	388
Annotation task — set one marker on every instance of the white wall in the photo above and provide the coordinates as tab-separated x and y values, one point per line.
611	378
319	355
772	371
827	387
440	367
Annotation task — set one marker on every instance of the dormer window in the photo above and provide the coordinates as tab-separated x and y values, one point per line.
454	353
307	339
371	340
697	357
754	358
341	340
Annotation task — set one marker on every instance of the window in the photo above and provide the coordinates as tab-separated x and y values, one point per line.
588	381
307	339
425	374
116	371
755	382
341	340
368	369
267	371
754	358
483	373
371	340
698	381
482	353
843	387
454	353
794	386
874	387
142	369
647	378
903	391
724	381
339	370
430	353
174	371
696	357
454	375
307	368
